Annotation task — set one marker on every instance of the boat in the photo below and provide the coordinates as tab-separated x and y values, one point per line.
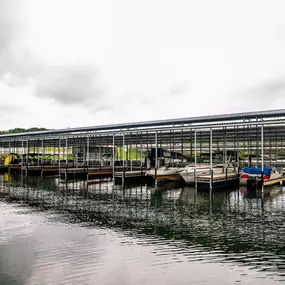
255	177
191	171
165	173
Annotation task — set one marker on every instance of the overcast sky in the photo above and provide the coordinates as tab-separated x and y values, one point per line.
68	63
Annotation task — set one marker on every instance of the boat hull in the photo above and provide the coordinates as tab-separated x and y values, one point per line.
188	177
200	172
269	182
170	177
165	174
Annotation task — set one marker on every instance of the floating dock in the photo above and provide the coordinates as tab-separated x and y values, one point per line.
247	139
94	172
272	182
218	181
131	176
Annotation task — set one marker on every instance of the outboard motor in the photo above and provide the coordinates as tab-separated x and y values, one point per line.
254	183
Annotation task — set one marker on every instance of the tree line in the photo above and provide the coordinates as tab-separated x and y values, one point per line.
21	130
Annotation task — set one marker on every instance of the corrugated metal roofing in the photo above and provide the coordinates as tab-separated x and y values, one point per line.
166	122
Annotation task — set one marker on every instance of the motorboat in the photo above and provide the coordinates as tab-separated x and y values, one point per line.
255	177
191	171
165	173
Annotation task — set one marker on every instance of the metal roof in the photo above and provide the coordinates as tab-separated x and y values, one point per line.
257	115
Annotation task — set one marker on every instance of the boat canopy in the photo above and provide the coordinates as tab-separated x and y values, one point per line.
255	170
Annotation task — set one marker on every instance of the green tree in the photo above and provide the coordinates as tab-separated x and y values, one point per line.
21	130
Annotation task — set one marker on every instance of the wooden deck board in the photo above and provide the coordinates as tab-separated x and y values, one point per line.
135	173
100	173
215	177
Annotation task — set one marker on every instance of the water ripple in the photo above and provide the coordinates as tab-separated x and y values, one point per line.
56	233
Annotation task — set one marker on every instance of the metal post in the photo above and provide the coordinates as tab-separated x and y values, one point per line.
255	144
182	156
281	152
137	147
9	165
195	156
191	146
127	155
22	159
147	154
54	146
66	160
123	151
156	164
113	161
100	154
87	152
262	149
94	145
195	149
9	147
66	156
42	157
141	153
27	158
248	155
211	158
59	156
226	154
131	152
237	147
38	152
276	149
224	147
83	147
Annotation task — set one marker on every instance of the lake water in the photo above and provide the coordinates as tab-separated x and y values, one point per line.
52	232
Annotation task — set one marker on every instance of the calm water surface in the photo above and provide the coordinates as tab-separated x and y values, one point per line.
52	232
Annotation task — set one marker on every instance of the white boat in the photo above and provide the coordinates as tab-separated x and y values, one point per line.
190	171
165	173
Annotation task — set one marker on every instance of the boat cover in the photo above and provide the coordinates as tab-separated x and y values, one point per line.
255	170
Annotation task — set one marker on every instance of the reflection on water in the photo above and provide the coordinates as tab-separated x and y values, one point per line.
52	232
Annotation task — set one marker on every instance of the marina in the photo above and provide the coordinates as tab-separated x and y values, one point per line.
208	190
142	142
163	149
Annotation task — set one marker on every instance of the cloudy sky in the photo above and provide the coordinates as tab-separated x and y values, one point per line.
68	63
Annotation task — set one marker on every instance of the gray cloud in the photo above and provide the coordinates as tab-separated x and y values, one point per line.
78	84
177	90
16	63
267	95
272	89
7	25
8	108
71	85
9	112
278	32
7	33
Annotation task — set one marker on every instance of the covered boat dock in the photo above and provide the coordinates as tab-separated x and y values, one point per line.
246	139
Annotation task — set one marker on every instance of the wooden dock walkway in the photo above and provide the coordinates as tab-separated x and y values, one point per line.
97	172
84	172
130	176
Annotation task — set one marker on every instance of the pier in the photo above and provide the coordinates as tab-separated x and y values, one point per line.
124	151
